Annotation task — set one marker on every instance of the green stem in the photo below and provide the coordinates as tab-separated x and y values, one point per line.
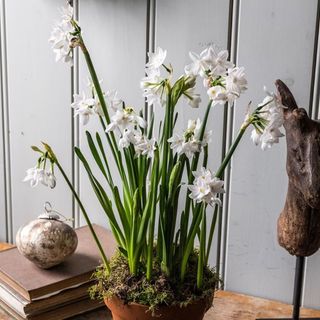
95	237
229	154
211	233
201	257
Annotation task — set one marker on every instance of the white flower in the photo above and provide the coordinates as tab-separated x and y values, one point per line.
113	100
176	143
36	175
193	99
198	65
206	187
146	147
67	12
209	61
156	59
84	107
218	94
189	142
272	114
124	119
216	61
153	87
236	81
129	137
189	148
50	180
60	40
61	36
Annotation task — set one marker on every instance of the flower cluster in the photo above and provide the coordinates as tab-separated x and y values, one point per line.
224	82
153	84
84	107
189	142
129	124
266	130
62	36
205	187
36	175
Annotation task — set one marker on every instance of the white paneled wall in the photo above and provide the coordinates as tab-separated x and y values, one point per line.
258	180
38	104
272	39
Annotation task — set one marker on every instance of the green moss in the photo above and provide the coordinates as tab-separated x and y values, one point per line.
161	290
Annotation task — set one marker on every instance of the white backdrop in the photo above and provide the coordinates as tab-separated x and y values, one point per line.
272	39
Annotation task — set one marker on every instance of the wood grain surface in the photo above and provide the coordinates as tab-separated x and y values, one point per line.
5	246
227	306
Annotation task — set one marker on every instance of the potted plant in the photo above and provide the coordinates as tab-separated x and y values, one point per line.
158	266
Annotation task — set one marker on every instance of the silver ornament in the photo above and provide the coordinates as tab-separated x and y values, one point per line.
47	241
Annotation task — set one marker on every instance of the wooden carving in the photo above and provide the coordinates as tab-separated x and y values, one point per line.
299	222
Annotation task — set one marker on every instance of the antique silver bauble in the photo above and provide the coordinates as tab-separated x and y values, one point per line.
47	241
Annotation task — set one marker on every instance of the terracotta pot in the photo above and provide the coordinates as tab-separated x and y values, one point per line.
135	311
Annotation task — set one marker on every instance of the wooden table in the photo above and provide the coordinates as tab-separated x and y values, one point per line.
227	306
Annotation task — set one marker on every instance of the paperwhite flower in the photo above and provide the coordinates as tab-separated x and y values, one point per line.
146	147
218	94
67	12
84	107
189	148
217	62
198	65
113	100
189	142
50	180
61	36
176	143
193	99
236	81
197	130
272	113
129	137
206	187
36	175
156	59
124	119
153	88
209	61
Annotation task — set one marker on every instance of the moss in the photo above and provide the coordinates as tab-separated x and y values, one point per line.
160	290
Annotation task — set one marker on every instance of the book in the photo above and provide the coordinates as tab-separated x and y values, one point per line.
33	283
67	311
26	307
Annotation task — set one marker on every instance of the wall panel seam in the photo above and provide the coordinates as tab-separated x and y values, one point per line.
75	131
315	76
6	125
233	32
151	13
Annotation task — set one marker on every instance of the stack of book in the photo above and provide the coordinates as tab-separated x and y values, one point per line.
28	292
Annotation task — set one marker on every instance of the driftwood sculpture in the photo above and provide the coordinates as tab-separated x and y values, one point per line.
299	222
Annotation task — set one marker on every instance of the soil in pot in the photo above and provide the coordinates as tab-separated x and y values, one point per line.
133	297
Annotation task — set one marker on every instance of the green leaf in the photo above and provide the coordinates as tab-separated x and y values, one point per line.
177	91
35	148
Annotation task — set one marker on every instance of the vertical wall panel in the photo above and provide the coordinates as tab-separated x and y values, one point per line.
275	41
115	34
184	26
3	212
39	104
